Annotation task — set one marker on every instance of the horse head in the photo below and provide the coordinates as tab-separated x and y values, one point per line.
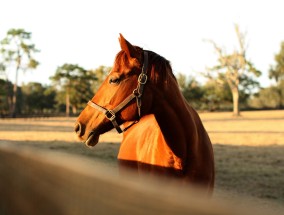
122	97
169	139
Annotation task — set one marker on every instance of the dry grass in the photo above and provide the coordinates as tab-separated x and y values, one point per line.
45	129
256	128
249	150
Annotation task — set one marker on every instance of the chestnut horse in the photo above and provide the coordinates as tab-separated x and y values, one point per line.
162	133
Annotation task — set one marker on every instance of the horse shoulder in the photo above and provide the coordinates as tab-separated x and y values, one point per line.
145	143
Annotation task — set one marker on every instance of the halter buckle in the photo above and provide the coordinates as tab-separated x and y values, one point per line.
110	115
136	93
142	79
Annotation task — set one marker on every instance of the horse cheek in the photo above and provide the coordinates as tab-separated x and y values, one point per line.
130	113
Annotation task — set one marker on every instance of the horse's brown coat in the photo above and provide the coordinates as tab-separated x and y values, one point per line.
145	143
169	138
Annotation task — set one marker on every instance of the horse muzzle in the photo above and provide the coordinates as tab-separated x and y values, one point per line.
91	140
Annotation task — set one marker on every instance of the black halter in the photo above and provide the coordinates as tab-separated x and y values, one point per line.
137	94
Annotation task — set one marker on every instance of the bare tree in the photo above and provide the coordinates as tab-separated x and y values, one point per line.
234	66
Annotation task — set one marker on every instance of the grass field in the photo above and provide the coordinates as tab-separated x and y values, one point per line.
249	150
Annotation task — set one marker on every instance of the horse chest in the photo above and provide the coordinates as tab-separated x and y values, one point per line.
148	146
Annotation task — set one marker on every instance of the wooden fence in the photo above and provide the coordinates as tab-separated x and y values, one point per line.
41	182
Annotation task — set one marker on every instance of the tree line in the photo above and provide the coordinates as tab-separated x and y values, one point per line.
72	86
231	85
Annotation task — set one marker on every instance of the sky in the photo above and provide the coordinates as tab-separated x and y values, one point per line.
86	32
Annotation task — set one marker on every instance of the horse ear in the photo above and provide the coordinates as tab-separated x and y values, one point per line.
128	48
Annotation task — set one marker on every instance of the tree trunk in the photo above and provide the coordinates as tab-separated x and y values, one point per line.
236	108
67	103
74	109
280	97
14	97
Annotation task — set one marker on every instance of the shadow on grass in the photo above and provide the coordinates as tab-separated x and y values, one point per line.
256	171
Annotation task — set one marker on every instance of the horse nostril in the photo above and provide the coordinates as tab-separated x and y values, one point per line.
78	129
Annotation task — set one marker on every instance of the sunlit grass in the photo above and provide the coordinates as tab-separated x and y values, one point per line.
249	150
252	128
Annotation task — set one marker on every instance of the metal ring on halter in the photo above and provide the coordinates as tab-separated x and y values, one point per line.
142	79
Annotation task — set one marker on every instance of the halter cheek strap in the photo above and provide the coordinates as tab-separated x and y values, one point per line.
136	94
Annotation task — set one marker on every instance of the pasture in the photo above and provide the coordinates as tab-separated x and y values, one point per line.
249	151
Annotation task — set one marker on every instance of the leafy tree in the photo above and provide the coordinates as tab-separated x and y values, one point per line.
49	99
75	84
276	72
268	98
191	90
217	94
2	71
17	51
5	96
235	66
44	97
100	74
82	92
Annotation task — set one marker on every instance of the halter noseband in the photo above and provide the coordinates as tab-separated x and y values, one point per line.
137	94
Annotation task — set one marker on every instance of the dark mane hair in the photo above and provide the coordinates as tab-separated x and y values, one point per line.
161	70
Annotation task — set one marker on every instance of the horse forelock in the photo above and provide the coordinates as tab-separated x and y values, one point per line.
160	70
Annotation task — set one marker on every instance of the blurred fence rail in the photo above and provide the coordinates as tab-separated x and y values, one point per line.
41	182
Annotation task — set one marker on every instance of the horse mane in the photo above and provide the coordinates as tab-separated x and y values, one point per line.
161	70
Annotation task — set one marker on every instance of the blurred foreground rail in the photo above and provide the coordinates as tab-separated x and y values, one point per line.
41	182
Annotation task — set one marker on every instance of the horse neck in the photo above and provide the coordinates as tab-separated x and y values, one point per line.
175	119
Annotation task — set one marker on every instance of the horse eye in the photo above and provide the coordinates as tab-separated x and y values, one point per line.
114	80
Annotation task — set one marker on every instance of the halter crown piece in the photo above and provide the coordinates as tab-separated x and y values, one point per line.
136	94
